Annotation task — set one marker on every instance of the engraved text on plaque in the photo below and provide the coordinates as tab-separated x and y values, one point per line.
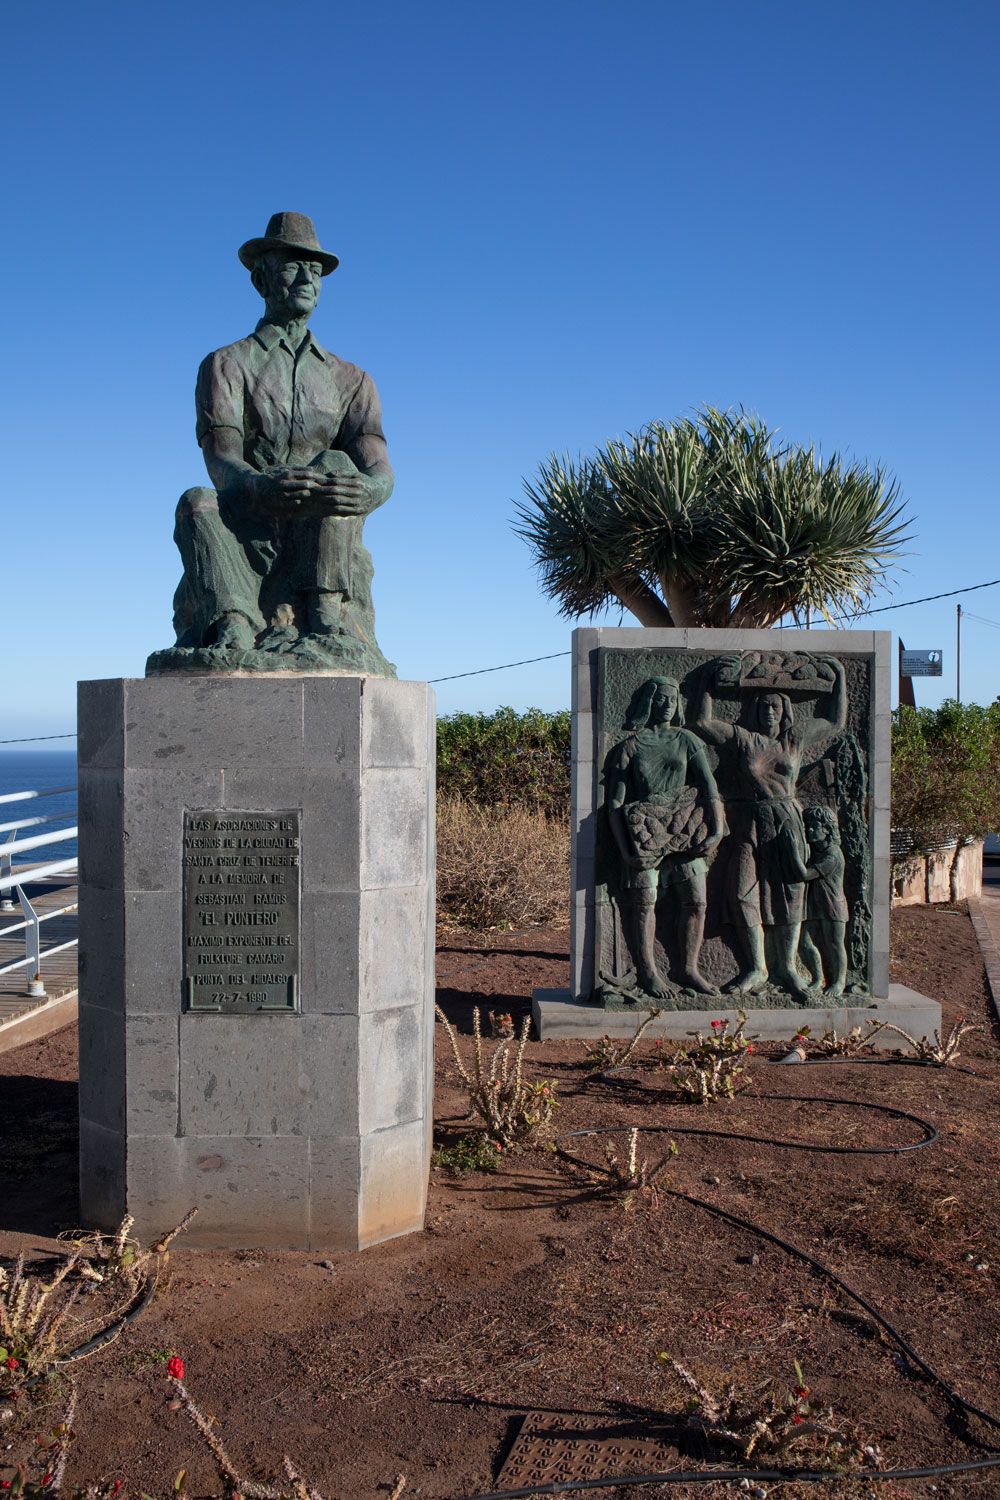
241	912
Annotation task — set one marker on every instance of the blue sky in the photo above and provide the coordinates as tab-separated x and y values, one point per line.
556	221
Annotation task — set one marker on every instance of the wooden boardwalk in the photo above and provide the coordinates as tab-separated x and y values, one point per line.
23	1018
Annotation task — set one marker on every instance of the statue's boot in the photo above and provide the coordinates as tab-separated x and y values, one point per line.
326	612
234	632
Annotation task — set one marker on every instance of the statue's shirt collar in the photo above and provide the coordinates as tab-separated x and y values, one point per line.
268	335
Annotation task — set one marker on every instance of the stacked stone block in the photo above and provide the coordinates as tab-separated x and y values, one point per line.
301	1130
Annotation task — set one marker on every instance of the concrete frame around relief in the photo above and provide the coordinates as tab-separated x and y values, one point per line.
586	794
310	1130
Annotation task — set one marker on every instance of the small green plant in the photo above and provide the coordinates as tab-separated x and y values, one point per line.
633	1177
834	1044
515	1113
607	1054
709	1070
501	1023
936	1053
794	1427
474	1152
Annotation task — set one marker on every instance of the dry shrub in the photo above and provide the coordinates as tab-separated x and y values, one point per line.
515	1113
501	866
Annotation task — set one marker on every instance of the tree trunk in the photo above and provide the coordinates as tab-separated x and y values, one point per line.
639	598
753	614
683	601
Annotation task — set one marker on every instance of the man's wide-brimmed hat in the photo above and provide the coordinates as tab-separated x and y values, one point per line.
290	232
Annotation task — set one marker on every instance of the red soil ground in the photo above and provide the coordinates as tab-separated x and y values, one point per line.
531	1291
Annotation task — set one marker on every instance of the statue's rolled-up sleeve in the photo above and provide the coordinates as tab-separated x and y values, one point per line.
362	439
364	414
218	394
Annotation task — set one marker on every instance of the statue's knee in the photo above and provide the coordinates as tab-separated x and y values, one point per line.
197	502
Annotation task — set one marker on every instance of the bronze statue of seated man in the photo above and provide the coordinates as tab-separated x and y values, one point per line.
292	439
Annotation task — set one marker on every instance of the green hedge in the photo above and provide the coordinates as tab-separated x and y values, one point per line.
945	765
946	771
505	758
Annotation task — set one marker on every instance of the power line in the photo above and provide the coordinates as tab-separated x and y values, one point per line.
553	655
904	604
949	594
502	667
31	738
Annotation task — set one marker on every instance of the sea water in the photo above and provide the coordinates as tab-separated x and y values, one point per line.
26	769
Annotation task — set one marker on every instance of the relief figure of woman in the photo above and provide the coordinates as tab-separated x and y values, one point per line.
665	817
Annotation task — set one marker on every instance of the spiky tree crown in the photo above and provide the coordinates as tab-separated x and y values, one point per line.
711	521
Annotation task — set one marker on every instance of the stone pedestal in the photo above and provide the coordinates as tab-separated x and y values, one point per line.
297	1113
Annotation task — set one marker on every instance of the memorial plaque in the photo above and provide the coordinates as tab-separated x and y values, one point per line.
241	912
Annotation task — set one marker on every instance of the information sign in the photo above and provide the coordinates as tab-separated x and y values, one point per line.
920	663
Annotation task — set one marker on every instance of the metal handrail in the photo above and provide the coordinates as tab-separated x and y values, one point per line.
37	872
23	963
59	837
33	822
54	791
45	917
13	880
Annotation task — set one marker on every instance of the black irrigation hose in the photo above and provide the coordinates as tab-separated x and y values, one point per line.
98	1339
930	1133
818	1476
715	1476
890	1062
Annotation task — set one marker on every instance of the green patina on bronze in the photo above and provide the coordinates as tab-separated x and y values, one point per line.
733	842
276	574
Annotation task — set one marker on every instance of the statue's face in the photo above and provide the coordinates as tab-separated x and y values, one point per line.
817	833
664	705
290	285
769	714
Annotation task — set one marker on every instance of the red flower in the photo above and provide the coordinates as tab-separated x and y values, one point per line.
46	1478
716	1023
175	1368
4	1484
750	1048
116	1487
13	1363
798	1421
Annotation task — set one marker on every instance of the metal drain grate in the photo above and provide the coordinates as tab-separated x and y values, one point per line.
551	1449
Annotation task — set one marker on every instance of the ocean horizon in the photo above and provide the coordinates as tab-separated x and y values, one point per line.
39	770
